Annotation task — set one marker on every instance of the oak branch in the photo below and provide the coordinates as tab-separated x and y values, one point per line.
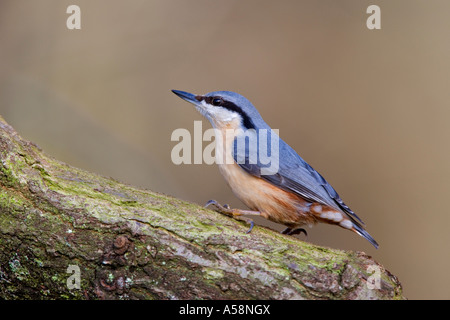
66	233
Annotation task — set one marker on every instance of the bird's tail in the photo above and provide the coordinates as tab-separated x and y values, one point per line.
357	228
330	215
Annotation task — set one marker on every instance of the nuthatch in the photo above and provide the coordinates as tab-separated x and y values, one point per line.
294	194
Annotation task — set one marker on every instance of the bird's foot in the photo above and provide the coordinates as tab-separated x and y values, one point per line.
234	213
293	231
225	209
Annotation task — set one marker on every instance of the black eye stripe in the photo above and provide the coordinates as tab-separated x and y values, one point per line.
217	102
210	100
246	121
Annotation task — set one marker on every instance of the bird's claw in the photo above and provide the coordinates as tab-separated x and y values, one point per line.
226	210
214	205
252	224
290	232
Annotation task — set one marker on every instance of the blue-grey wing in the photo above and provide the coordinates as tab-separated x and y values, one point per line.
293	174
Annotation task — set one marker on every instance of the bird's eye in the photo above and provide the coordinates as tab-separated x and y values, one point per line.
216	101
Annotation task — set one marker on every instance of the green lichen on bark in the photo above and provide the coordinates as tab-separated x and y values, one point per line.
131	243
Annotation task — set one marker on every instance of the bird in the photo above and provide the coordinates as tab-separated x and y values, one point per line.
288	190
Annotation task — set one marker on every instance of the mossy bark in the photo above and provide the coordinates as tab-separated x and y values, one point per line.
130	243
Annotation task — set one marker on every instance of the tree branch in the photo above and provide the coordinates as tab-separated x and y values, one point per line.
130	243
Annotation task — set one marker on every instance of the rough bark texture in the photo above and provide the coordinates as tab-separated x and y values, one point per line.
136	244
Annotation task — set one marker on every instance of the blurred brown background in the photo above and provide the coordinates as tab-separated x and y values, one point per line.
367	109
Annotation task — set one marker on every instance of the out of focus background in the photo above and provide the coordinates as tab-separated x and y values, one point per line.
368	109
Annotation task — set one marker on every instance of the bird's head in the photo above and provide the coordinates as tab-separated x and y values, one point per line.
224	109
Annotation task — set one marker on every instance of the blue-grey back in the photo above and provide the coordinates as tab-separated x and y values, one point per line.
293	173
